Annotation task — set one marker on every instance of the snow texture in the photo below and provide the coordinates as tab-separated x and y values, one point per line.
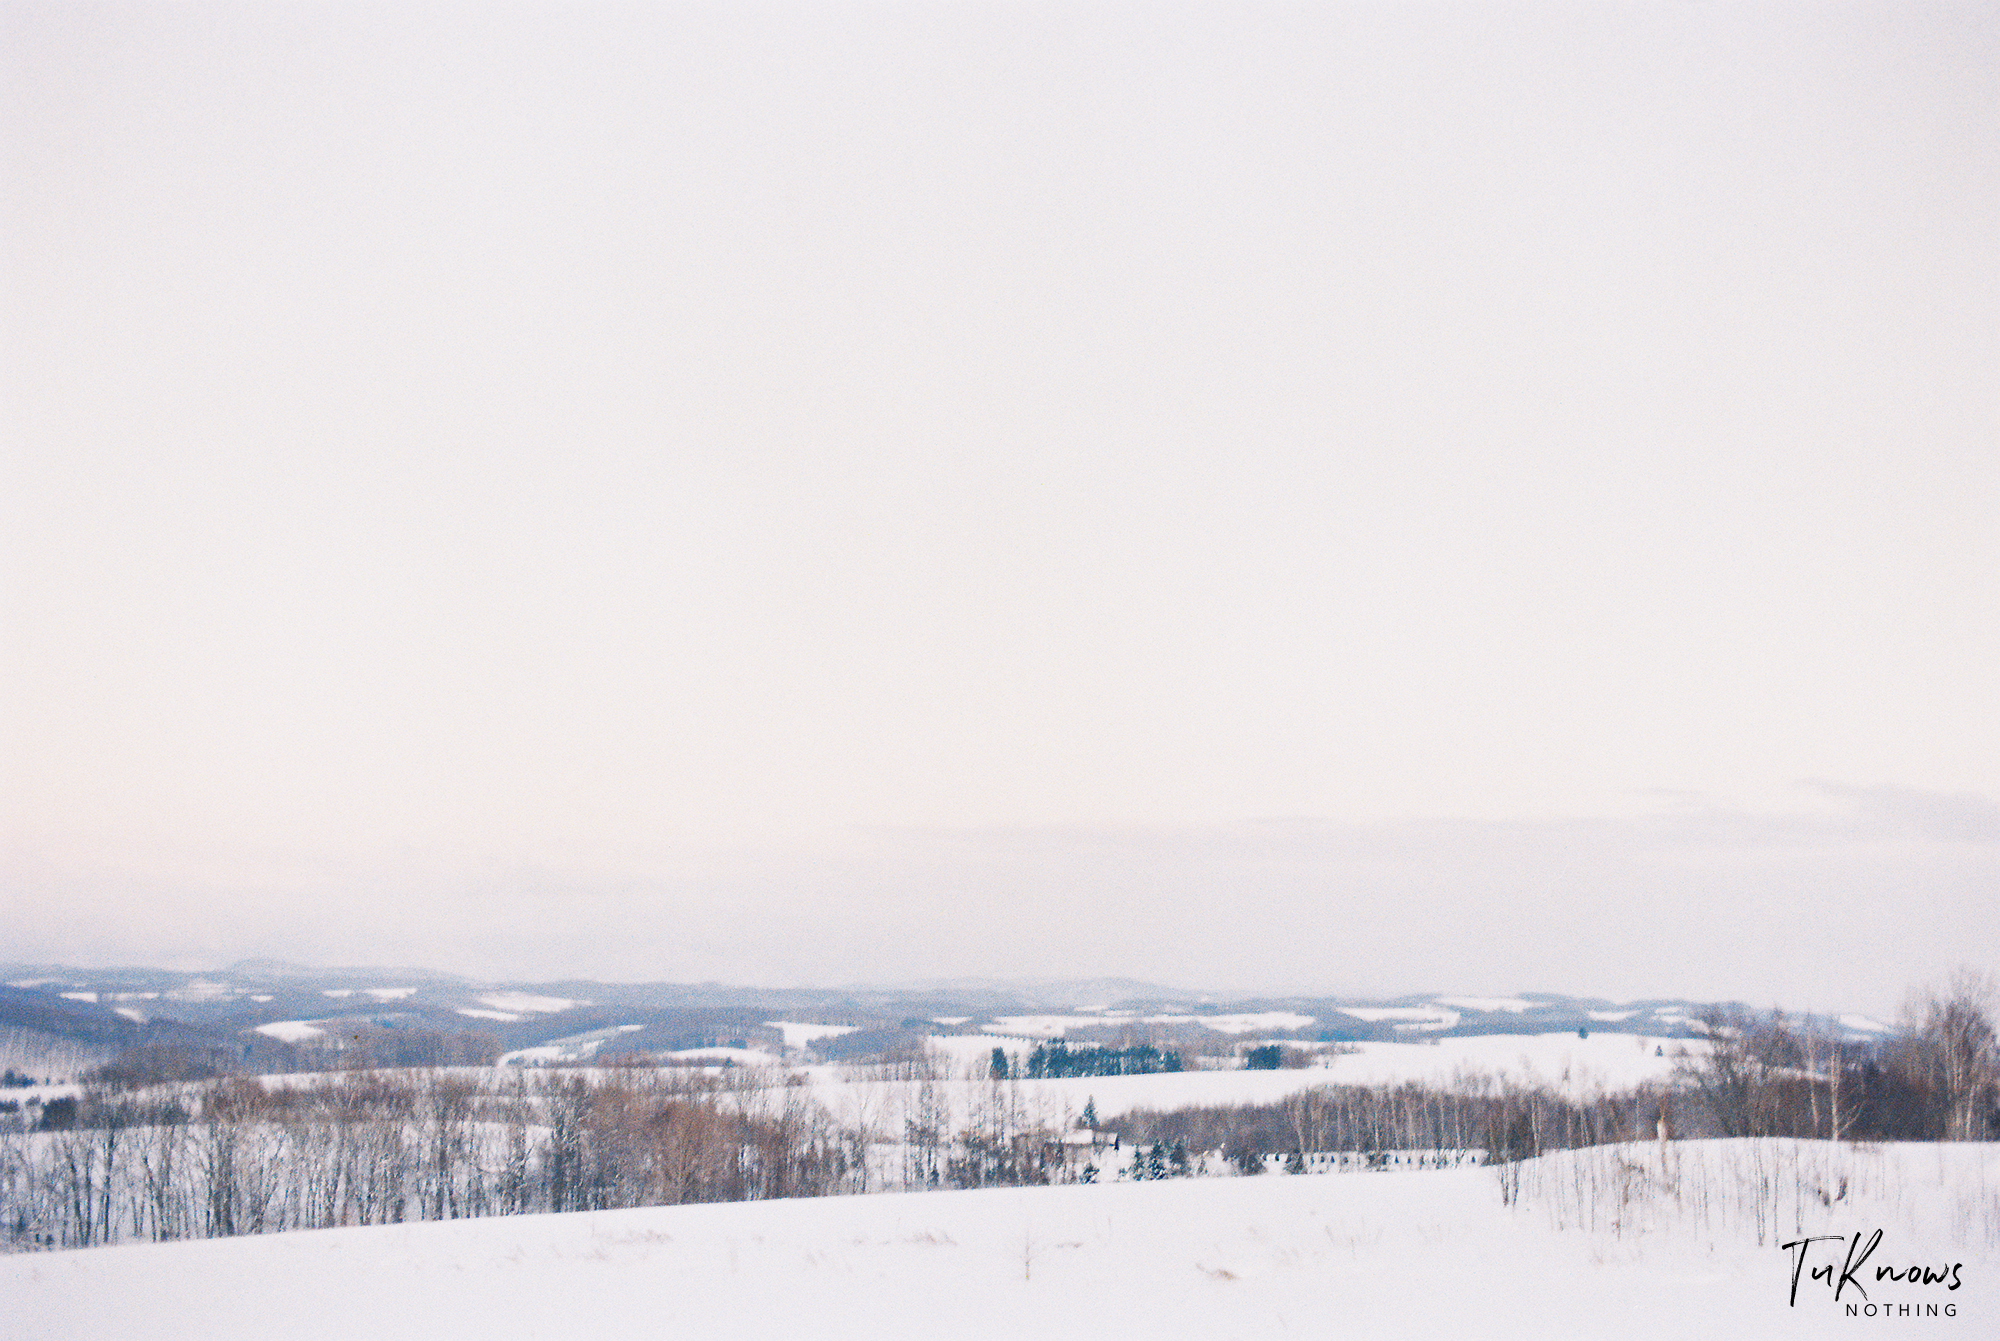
1605	1243
1411	1017
798	1035
527	1002
1487	1003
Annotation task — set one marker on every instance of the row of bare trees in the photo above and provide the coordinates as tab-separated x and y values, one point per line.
356	1046
181	1157
1511	1121
237	1156
1939	1080
247	1155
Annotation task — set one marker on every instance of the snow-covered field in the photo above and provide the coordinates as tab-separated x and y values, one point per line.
1575	1067
1052	1026
798	1035
291	1031
1605	1243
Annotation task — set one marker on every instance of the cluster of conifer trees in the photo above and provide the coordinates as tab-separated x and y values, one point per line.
1058	1059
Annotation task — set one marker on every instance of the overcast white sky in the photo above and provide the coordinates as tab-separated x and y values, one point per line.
1355	496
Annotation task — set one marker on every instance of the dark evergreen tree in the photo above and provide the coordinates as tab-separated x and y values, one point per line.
1056	1059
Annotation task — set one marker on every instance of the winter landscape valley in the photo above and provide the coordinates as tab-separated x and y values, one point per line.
1034	670
980	1160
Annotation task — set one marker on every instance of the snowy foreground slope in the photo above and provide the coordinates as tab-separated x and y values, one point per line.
1611	1242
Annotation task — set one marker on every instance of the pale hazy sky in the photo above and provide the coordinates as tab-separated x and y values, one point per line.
1359	496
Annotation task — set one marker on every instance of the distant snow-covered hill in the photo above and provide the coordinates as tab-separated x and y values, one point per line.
263	1005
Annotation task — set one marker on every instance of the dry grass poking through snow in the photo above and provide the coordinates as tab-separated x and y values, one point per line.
1768	1190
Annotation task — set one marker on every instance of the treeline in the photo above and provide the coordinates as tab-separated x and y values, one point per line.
237	1156
984	1135
1274	1057
162	1147
1939	1081
1756	1076
356	1047
50	1058
1512	1122
1056	1060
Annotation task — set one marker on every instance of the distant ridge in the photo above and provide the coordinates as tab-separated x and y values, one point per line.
253	1002
1044	991
279	970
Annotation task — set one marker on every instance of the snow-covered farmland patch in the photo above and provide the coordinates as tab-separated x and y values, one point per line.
389	993
1490	1004
80	996
505	1017
1574	1065
1055	1026
574	1048
1405	1017
1866	1024
136	1016
527	1003
202	989
1238	1024
888	1104
799	1035
50	1056
727	1056
291	1031
28	1096
1052	1026
966	1049
1577	1066
1611	1016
